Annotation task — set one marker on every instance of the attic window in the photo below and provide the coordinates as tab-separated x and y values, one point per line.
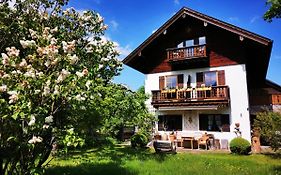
192	42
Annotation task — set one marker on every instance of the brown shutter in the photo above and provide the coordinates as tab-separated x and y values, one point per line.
161	82
180	81
221	78
199	79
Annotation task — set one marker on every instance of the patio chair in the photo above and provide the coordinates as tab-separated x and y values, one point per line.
204	140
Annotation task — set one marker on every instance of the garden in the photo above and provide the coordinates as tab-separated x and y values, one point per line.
116	159
58	102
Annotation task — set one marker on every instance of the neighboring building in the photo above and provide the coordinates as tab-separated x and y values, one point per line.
201	73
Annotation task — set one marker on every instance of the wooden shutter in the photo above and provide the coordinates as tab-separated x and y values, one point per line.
180	81
199	79
161	82
221	78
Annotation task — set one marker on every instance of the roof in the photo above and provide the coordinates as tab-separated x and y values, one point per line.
205	18
273	85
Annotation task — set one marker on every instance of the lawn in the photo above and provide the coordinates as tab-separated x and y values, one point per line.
126	161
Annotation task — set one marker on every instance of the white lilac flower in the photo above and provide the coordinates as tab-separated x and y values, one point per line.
32	33
6	76
23	63
79	74
47	63
100	19
54	30
80	98
68	47
46	91
53	41
73	59
32	120
3	88
62	76
13	96
5	59
55	62
35	140
57	88
46	126
49	119
100	66
12	51
27	43
40	74
88	83
37	91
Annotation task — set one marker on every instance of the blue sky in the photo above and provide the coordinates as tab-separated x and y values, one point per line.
132	21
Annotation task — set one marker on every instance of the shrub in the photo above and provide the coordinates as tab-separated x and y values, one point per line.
139	140
240	146
269	124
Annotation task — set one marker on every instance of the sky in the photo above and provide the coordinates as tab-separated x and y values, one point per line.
130	22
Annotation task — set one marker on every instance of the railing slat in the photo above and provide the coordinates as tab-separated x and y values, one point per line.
186	52
207	93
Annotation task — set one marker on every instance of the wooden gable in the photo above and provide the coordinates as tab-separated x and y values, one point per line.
226	45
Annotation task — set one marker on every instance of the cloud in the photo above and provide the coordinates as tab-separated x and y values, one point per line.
124	51
233	19
254	19
176	2
114	25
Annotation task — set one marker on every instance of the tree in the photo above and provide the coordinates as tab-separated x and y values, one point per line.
52	62
269	125
274	11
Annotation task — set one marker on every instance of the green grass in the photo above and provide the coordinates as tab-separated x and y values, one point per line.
126	161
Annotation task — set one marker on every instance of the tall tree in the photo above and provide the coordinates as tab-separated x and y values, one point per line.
274	10
52	60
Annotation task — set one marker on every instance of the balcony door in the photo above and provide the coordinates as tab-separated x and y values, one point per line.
171	82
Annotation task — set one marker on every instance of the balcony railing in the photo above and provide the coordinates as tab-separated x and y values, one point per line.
184	53
202	94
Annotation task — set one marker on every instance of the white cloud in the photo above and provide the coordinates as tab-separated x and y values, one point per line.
176	2
114	25
254	19
233	19
124	51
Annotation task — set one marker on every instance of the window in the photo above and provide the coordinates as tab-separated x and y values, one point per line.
192	42
171	82
214	122
210	78
169	122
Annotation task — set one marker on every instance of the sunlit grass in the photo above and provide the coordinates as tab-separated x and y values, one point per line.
124	160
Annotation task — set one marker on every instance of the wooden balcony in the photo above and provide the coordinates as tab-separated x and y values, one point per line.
185	53
216	95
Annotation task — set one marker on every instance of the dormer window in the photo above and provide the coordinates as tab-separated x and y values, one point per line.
192	42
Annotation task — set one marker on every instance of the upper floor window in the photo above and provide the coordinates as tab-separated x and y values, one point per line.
192	42
171	82
210	78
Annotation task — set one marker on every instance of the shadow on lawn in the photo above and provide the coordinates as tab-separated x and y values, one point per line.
91	169
117	154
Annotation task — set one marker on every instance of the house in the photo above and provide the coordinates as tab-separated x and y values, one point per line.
205	75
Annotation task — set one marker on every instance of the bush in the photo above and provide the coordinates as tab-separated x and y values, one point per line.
269	124
240	146
139	140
